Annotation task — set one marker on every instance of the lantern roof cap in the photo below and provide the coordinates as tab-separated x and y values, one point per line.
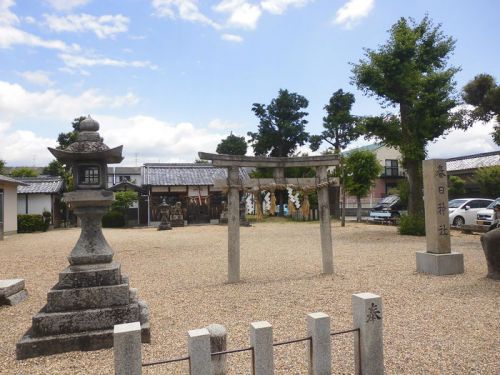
89	125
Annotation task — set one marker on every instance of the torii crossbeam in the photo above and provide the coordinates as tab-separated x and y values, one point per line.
234	162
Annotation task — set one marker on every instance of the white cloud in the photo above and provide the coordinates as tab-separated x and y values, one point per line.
241	13
351	13
185	9
103	26
37	77
219	124
78	62
232	38
11	35
280	6
29	20
152	138
475	140
66	5
17	102
18	147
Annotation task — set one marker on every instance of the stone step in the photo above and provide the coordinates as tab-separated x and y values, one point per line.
54	323
90	275
15	298
30	346
10	287
87	298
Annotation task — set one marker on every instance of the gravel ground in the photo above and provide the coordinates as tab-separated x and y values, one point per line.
432	325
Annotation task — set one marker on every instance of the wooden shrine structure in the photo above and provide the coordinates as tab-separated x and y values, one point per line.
279	164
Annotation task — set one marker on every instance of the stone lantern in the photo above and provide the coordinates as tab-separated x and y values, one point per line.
165	213
92	295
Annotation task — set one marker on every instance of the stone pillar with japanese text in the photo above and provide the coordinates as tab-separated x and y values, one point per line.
438	259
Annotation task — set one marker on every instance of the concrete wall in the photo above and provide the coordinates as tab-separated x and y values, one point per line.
10	208
37	203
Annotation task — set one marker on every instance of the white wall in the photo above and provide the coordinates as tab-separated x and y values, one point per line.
37	203
10	208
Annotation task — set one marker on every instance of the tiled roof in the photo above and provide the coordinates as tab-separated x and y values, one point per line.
41	185
185	174
487	159
9	180
125	185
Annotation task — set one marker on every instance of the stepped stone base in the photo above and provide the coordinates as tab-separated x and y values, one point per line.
12	292
440	264
81	311
30	346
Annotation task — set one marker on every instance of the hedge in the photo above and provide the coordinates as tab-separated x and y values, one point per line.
31	223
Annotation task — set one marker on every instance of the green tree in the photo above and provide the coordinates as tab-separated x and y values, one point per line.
232	145
55	168
281	125
488	179
410	72
340	126
2	166
123	201
484	94
65	139
456	187
23	172
362	168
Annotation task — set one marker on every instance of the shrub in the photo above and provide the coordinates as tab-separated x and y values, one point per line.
113	219
31	223
412	225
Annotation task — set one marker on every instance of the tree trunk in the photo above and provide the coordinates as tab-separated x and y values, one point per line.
358	214
415	199
342	221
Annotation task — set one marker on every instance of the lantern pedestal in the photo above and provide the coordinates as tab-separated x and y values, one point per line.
91	296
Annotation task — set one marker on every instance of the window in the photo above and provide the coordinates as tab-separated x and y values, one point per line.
478	204
391	167
124	178
88	175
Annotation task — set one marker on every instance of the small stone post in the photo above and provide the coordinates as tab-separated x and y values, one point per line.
320	348
261	339
218	343
233	226
367	314
325	224
199	352
127	349
438	259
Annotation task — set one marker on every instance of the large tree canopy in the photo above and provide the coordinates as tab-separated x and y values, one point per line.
232	145
484	94
410	72
65	139
339	124
282	125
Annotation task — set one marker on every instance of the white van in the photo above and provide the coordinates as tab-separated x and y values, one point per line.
485	217
464	211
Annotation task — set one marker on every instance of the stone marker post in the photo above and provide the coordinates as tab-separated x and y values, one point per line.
199	352
369	346
218	343
438	259
325	222
233	227
127	349
261	339
320	348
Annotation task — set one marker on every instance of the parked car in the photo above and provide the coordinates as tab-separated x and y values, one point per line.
388	208
464	211
485	217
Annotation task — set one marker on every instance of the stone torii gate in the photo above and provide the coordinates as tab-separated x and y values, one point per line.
233	164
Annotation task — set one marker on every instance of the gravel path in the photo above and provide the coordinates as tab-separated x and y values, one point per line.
432	325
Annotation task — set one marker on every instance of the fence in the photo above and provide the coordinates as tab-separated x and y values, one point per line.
205	358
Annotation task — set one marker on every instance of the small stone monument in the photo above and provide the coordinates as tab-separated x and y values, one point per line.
12	292
92	295
165	213
438	259
176	215
491	246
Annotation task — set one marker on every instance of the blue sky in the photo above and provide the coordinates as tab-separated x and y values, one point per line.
168	78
